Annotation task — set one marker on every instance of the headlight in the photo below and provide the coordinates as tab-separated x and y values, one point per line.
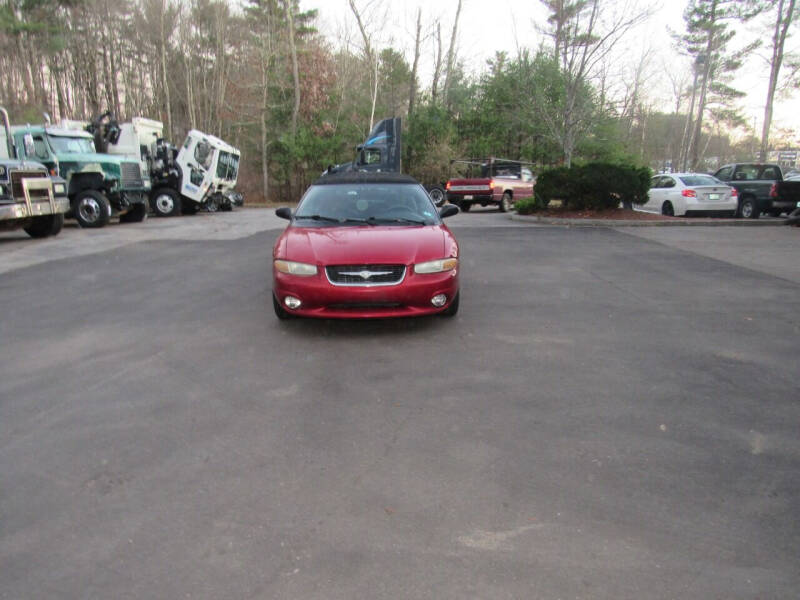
295	268
436	266
59	189
147	184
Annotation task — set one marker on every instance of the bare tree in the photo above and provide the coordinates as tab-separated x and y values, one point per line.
451	55
583	34
785	12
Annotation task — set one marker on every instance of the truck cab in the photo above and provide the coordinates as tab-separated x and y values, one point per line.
493	181
98	185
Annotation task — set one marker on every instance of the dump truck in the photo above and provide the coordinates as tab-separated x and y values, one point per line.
99	185
30	198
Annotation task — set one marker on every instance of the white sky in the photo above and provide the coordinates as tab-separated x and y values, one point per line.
487	26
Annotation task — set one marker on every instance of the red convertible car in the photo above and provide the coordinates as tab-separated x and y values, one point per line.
365	245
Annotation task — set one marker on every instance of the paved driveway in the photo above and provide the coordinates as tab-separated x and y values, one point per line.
608	417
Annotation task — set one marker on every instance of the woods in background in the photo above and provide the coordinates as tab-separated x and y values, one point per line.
260	76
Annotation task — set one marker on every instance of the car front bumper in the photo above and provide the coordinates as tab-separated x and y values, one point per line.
409	298
20	210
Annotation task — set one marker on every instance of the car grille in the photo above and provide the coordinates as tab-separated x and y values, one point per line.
16	186
366	275
131	175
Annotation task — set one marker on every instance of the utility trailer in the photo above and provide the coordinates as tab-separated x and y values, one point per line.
30	198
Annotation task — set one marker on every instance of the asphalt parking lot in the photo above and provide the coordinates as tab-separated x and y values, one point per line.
612	414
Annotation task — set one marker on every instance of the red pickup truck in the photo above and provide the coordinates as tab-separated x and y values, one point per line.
501	182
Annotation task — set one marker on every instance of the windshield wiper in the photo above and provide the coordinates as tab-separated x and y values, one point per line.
397	220
319	218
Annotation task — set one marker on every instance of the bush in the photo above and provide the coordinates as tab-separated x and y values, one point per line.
596	185
530	205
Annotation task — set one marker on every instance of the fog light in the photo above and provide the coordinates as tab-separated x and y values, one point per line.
438	300
292	302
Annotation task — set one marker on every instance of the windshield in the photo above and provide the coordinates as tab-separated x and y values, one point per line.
700	180
228	165
384	203
71	145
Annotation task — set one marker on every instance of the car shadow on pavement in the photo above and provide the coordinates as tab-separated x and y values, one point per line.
356	328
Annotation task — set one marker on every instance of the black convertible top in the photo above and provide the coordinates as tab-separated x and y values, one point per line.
364	177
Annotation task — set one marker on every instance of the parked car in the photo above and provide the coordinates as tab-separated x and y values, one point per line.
687	194
365	245
499	182
754	182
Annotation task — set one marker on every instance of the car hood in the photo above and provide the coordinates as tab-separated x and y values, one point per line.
78	157
363	245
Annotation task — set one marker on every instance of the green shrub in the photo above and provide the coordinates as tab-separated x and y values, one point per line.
596	185
527	206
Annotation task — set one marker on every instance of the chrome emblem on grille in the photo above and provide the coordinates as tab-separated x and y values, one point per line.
365	274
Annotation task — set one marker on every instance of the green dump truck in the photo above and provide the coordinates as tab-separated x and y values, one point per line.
99	186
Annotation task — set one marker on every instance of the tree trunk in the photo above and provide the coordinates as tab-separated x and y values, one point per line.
295	74
412	92
782	24
451	57
437	66
164	81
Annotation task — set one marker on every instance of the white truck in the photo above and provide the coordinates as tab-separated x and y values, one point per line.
202	174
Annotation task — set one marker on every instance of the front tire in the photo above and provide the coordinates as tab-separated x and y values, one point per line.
92	209
750	209
451	310
505	202
43	227
280	312
166	203
465	206
135	215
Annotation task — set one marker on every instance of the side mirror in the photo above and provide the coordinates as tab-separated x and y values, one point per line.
448	210
284	212
30	147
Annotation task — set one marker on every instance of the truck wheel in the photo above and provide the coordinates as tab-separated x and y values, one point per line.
437	195
505	202
465	206
91	209
212	205
165	202
135	215
750	209
43	227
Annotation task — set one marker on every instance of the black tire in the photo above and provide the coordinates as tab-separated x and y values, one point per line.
165	202
667	210
189	207
451	310
212	205
280	312
438	195
43	227
465	206
505	202
749	208
92	209
137	214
